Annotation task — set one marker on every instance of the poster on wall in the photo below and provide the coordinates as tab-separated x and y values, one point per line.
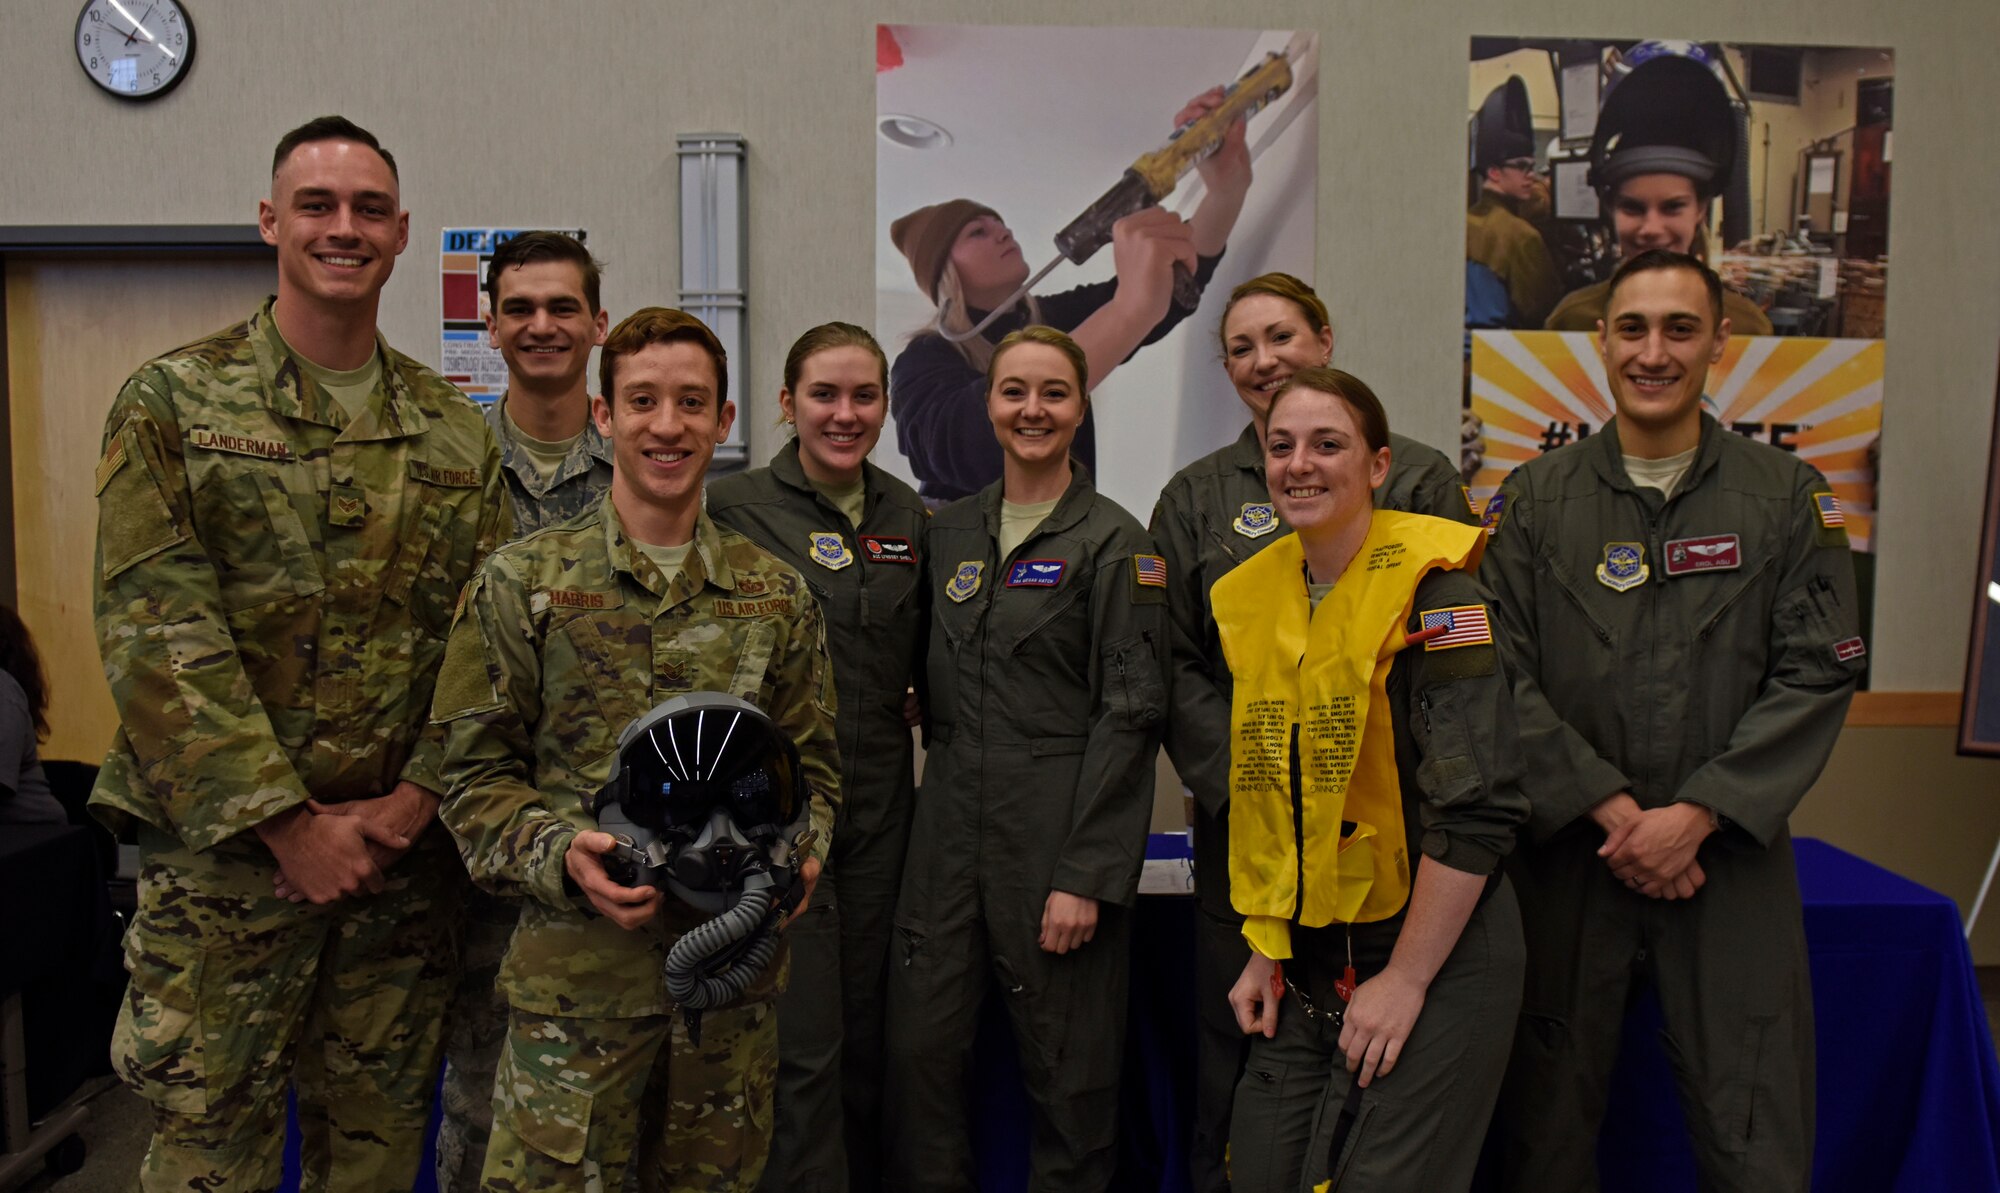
1769	161
1112	182
471	362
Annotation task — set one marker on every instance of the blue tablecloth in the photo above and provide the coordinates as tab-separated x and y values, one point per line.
1909	1084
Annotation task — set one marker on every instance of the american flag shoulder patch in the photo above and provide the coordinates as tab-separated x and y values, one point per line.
1463	625
1828	507
1150	570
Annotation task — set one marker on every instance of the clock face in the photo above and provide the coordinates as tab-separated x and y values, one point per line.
135	49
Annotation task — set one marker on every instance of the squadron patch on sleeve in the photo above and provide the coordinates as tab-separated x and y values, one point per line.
1496	507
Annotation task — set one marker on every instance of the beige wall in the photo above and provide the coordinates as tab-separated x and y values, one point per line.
1904	799
509	110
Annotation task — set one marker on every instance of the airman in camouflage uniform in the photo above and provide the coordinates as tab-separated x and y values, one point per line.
544	316
562	640
275	576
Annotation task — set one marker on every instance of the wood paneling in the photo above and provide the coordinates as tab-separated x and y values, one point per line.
76	328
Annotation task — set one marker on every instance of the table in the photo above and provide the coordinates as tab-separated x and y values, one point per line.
1909	1083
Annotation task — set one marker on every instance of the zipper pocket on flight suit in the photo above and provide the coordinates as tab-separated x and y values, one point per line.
1055	611
1749	582
1568	587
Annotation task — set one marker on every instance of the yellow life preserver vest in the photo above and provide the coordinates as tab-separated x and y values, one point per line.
1325	674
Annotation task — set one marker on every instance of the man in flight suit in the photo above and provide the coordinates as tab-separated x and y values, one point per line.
287	511
1678	606
563	639
543	316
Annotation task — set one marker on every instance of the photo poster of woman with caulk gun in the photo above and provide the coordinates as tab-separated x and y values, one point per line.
1115	183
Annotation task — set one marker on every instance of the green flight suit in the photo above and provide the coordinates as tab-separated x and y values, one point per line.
1700	647
476	1025
274	580
1497	237
1213	515
1420	1127
563	639
1583	309
1045	698
868	580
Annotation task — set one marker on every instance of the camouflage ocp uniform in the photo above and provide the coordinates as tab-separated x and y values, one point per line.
577	483
564	638
273	587
476	1027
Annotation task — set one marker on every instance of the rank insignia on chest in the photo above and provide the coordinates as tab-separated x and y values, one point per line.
830	551
887	548
1035	573
965	581
1257	520
1624	566
346	505
1708	553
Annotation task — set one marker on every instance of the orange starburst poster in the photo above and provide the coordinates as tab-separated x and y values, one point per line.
1533	391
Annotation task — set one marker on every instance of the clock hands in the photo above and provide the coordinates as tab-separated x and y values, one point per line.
139	29
137	25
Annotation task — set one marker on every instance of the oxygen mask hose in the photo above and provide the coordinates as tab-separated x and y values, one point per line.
689	980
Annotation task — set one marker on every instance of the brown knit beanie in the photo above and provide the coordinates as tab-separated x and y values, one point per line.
926	235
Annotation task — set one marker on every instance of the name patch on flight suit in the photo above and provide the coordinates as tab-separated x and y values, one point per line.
830	551
1496	505
1624	566
1708	553
780	606
1257	520
887	548
1036	573
965	581
242	445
